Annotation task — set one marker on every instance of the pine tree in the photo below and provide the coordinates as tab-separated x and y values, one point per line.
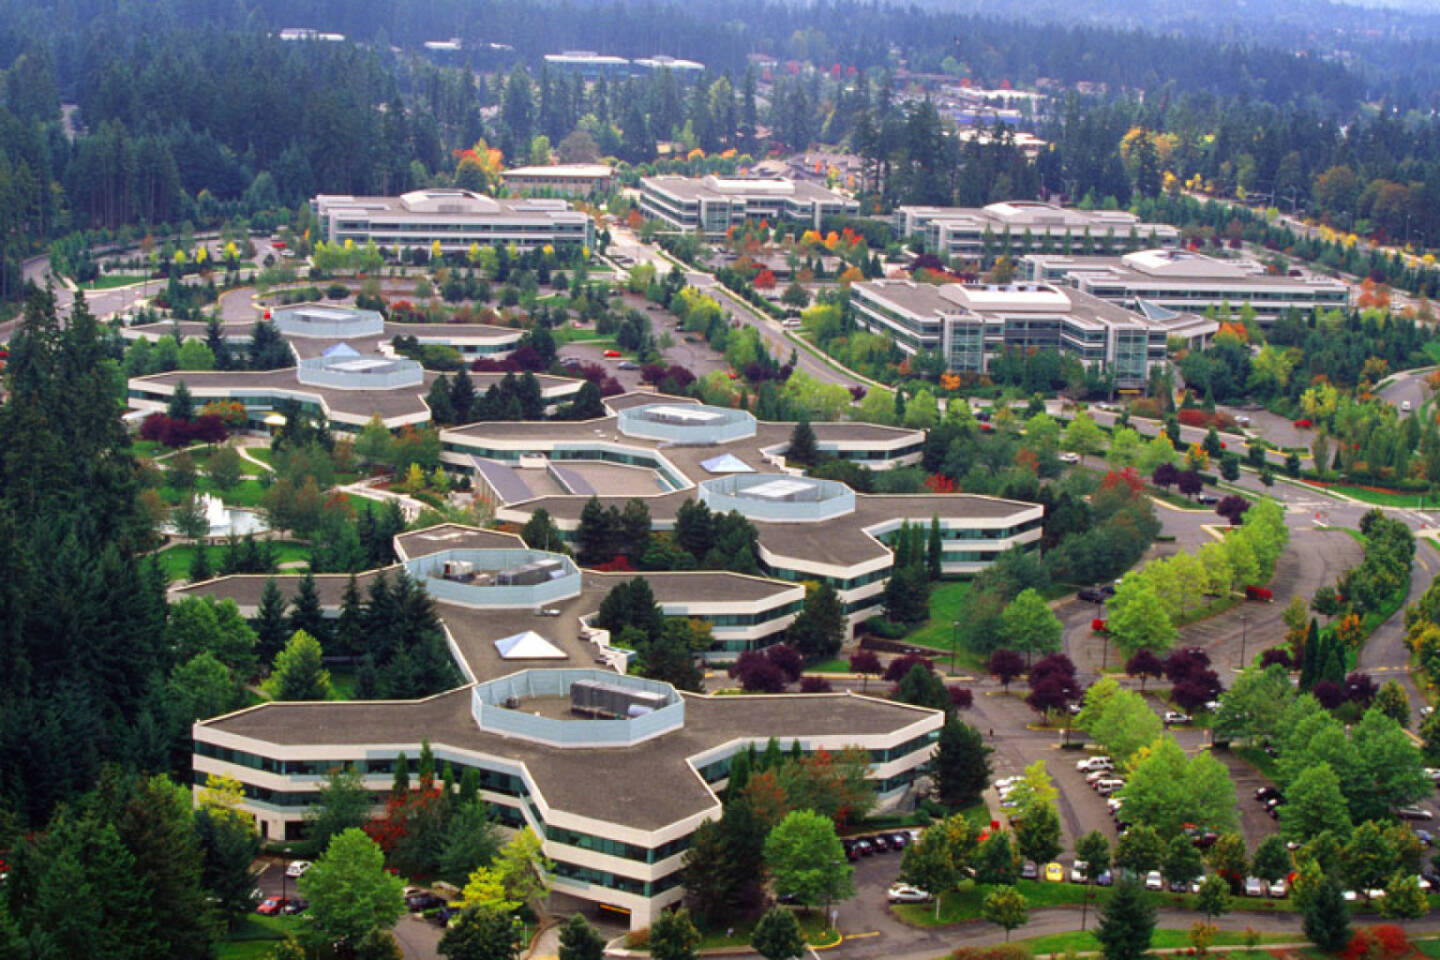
1326	917
182	404
271	632
307	614
962	764
426	768
935	550
462	397
349	628
804	449
200	564
400	785
1310	665
580	941
442	410
1127	923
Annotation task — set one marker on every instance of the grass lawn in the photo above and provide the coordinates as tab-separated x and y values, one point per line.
947	600
1217	606
247	493
147	448
260	453
1431	948
965	903
109	281
1258	759
833	665
256	937
1384	498
202	455
1082	942
176	561
812	927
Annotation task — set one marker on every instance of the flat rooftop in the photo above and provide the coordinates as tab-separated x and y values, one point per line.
647	786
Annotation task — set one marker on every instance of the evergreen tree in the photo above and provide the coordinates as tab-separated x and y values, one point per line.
934	553
200	564
299	672
1326	918
182	404
580	941
777	935
462	397
804	449
1127	922
306	613
425	770
442	410
349	628
962	764
271	631
819	630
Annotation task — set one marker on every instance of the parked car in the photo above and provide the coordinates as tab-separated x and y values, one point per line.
1207	499
864	847
880	842
1175	716
1178	886
906	893
1004	782
899	841
1425	838
850	852
1079	871
297	905
1205	840
1153	881
1095	763
1091	595
1254	887
1266	793
1054	873
628	365
1069	456
612	353
420	902
1107	787
272	906
1105	879
1279	889
1414	813
1030	871
1095	776
297	868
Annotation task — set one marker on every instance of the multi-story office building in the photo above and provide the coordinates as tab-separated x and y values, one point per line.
592	65
545	717
346	368
668	451
711	204
972	324
1184	280
1024	226
455	218
569	179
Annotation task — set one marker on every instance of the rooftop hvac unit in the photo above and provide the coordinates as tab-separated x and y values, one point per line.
612	699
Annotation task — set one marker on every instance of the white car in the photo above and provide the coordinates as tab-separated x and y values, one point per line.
1278	889
1005	782
1078	871
297	868
1254	887
1153	881
1414	813
1405	405
1175	716
1069	456
1107	787
906	893
1090	764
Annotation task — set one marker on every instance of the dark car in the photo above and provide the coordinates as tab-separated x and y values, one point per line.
1267	793
1179	886
297	905
418	902
444	914
1108	589
1030	871
864	847
1205	840
1426	840
1208	499
1091	595
899	841
881	842
850	852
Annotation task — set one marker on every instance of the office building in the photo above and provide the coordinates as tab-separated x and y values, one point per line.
1024	226
1184	280
456	219
567	179
973	324
711	204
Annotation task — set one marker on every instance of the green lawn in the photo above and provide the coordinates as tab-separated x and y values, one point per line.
261	453
1258	759
833	665
965	903
256	937
1216	606
947	600
1385	498
1431	948
812	927
109	281
248	493
202	455
1161	940
176	561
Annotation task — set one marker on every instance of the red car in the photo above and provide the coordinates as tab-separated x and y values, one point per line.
273	906
612	353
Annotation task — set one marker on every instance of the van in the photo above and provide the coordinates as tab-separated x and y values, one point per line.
1109	786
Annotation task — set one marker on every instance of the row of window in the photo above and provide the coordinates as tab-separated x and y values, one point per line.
617	848
612	881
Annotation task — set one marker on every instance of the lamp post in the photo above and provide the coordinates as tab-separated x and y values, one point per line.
1244	631
954	644
284	874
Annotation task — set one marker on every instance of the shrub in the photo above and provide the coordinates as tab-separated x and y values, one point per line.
1384	941
815	685
961	697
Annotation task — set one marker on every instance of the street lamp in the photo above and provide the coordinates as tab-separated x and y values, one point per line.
1244	630
954	643
284	873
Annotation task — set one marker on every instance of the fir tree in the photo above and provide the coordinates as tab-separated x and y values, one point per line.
200	564
804	449
307	614
400	785
1127	923
934	553
271	632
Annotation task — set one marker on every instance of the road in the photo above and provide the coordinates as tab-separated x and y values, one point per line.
1407	386
624	243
